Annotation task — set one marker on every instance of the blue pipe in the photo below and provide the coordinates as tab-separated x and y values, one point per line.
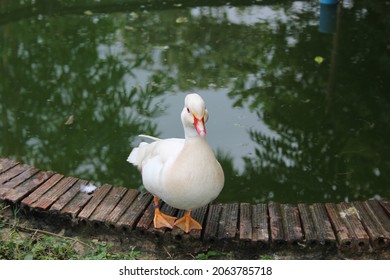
329	2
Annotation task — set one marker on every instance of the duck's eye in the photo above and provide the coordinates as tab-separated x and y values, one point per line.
188	110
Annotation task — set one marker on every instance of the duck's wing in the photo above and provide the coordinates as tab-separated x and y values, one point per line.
154	159
163	149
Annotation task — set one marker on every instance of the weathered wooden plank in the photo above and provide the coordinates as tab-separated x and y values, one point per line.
323	224
353	225
41	190
132	215
17	180
228	222
2	162
211	228
386	206
260	232
381	216
146	220
18	193
122	206
21	177
308	224
276	224
76	204
360	240
108	204
343	235
52	195
245	230
67	196
97	198
291	224
371	224
7	164
11	173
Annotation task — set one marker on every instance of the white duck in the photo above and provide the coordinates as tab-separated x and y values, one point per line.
182	172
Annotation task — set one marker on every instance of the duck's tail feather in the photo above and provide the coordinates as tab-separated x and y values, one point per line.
136	155
139	153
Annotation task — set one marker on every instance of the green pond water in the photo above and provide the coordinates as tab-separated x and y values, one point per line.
296	115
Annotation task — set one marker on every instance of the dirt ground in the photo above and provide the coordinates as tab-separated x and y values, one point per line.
150	247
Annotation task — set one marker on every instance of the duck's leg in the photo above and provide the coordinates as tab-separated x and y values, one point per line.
160	219
187	223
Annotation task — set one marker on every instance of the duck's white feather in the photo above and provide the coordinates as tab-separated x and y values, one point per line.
182	172
153	159
164	150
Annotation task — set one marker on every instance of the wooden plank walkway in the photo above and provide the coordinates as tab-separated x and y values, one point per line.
353	226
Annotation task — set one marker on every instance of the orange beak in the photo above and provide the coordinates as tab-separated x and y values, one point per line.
199	126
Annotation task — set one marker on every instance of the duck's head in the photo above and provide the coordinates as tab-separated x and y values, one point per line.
194	116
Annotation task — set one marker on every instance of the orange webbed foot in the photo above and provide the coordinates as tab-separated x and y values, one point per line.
163	220
187	223
160	219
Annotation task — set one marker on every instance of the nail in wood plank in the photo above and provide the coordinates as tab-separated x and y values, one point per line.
67	196
245	229
41	190
122	206
97	198
18	193
132	215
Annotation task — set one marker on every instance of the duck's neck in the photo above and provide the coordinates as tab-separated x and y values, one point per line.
190	133
197	146
194	141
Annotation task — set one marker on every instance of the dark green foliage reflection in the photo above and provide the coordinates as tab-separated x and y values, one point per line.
80	79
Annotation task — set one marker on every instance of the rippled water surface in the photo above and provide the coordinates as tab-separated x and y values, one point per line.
299	112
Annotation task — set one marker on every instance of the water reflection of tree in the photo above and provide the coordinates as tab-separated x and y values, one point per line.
325	144
267	66
329	147
68	67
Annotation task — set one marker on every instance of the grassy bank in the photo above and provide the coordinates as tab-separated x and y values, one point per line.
19	240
